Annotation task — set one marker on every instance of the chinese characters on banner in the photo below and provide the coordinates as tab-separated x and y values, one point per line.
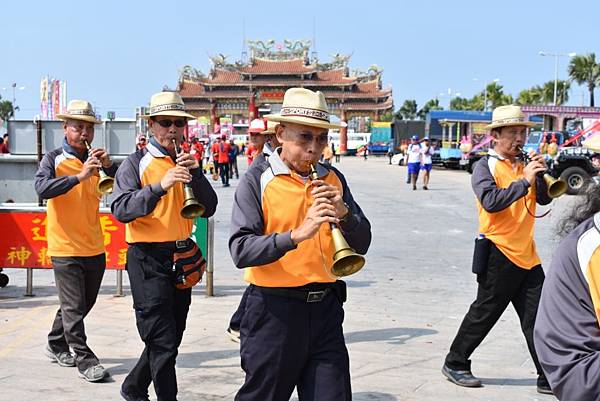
24	241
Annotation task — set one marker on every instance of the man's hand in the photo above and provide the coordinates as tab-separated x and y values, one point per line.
101	155
322	190
535	166
89	167
174	175
187	160
321	211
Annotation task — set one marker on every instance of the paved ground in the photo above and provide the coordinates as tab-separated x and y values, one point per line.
403	310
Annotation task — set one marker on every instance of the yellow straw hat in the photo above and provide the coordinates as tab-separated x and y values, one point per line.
81	110
504	116
167	104
305	107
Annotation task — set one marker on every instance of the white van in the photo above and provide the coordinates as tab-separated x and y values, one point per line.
356	140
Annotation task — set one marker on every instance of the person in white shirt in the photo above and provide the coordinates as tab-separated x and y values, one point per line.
414	160
426	162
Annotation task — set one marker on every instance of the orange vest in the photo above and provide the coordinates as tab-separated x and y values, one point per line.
73	219
164	224
285	201
511	229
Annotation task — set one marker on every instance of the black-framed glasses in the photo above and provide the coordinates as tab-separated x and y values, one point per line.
179	123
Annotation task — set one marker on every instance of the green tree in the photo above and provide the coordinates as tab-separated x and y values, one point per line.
387	116
433	104
562	92
495	95
585	71
532	96
6	109
408	111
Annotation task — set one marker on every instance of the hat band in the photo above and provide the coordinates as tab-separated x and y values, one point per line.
81	112
509	121
167	107
305	112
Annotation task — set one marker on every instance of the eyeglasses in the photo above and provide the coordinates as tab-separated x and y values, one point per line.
179	123
306	139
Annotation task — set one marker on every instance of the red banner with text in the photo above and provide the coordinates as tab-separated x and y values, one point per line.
24	241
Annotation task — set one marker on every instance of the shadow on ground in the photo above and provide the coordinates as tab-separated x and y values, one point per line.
396	335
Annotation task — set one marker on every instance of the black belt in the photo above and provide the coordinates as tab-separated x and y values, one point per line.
170	245
306	295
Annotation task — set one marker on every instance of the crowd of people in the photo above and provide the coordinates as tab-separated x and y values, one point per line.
289	321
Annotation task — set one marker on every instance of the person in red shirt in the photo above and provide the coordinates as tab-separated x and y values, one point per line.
185	146
257	141
4	144
223	150
198	148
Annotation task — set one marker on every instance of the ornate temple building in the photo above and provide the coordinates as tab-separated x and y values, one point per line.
248	89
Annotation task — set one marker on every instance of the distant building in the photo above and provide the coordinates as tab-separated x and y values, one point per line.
244	90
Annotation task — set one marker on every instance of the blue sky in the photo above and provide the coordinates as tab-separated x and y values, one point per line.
117	53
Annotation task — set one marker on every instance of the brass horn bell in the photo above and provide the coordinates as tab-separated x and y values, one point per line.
345	260
191	207
106	182
556	187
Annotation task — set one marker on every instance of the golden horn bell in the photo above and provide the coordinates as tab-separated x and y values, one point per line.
556	187
106	182
191	207
345	260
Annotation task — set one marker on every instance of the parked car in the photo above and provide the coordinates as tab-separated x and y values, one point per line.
576	166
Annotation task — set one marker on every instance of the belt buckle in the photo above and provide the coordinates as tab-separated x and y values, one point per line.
315	296
181	243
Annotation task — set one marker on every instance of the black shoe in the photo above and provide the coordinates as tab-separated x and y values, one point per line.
425	187
133	397
408	181
461	377
543	387
414	187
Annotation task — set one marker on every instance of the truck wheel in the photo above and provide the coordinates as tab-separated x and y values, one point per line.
576	179
3	280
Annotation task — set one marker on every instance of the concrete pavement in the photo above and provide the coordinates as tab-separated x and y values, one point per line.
403	310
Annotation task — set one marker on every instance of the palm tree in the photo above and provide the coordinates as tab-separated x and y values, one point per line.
532	96
433	104
6	109
585	70
495	95
562	92
408	111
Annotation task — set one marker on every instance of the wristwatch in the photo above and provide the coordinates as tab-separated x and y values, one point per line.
345	217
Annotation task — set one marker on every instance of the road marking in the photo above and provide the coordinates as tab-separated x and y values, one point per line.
31	331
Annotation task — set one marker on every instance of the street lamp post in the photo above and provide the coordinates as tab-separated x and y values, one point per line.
14	97
556	56
485	84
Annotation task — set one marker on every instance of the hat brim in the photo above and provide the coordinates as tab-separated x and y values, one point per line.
311	122
170	113
88	119
589	144
523	123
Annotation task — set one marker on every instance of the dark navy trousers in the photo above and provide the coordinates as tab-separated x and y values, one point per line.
287	343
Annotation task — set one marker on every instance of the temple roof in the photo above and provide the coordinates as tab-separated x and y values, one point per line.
279	67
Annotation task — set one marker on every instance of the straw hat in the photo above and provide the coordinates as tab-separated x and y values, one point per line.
271	125
505	116
305	107
592	143
79	110
257	126
167	104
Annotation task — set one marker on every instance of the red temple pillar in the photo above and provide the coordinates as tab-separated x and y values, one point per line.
252	109
213	117
343	134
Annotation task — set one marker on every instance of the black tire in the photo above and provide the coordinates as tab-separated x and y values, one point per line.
3	280
576	179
